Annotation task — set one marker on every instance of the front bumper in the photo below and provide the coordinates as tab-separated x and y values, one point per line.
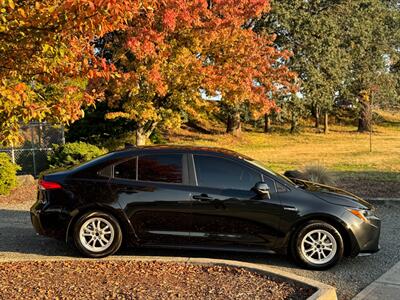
365	235
50	220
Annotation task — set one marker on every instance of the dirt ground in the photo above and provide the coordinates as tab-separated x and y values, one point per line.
139	280
23	194
370	189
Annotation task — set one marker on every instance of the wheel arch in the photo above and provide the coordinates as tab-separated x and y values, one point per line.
350	246
121	218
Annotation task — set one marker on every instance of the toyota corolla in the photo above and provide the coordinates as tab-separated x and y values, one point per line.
201	198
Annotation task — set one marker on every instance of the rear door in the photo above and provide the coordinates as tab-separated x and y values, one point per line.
154	193
226	212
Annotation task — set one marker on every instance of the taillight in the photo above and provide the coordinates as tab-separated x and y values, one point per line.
49	185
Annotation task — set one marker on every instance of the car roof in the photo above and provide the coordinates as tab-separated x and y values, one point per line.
184	149
133	150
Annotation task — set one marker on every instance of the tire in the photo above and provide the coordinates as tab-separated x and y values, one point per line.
317	246
97	234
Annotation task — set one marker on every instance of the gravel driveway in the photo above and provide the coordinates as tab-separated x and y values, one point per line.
18	241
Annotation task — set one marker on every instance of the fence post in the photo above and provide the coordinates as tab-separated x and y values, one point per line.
12	153
62	135
33	152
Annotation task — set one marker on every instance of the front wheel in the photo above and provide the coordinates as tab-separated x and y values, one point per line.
97	234
318	245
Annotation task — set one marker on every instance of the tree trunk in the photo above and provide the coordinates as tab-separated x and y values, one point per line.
316	115
143	132
293	123
233	124
267	123
326	121
364	119
140	137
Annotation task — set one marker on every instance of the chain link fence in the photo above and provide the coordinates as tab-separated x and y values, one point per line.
38	141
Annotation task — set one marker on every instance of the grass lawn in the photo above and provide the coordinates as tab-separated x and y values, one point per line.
343	150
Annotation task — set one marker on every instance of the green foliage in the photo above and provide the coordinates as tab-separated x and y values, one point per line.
8	174
157	137
341	48
72	154
312	30
292	109
95	129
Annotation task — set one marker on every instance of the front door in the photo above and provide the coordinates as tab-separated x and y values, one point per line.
226	212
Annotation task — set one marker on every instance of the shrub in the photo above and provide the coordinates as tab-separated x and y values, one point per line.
72	154
295	174
157	137
318	173
8	174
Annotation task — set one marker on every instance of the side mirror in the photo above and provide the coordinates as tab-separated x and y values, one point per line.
262	189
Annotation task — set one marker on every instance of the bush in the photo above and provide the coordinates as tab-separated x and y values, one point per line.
72	154
314	173
157	137
8	174
318	173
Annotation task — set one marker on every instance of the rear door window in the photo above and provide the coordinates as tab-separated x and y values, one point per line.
160	168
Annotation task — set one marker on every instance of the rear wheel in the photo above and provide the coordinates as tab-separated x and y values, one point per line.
317	245
97	234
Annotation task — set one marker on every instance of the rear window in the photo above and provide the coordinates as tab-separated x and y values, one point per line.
126	169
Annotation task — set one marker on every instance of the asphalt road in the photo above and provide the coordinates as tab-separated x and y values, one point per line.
18	241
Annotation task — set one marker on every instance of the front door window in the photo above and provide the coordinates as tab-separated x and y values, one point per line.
217	172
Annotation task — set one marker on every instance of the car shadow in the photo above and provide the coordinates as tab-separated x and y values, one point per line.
18	239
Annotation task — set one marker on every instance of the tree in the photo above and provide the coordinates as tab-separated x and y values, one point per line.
95	129
156	61
311	30
372	41
292	109
46	55
341	49
169	57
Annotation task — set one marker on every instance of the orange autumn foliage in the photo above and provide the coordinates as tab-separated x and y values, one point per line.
175	52
165	56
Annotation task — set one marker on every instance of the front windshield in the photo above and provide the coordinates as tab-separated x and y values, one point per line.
261	166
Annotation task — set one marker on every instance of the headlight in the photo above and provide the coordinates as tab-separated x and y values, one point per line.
363	214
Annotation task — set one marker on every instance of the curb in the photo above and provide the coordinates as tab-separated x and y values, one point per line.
323	291
385	287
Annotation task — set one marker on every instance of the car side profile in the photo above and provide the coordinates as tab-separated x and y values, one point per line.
200	198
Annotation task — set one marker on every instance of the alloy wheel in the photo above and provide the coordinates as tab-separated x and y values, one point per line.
319	246
96	234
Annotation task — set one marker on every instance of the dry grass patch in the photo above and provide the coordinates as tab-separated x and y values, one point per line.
342	149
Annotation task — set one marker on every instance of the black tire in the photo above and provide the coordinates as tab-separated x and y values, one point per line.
114	240
314	227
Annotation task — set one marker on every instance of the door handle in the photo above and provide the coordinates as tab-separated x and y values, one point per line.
203	197
290	208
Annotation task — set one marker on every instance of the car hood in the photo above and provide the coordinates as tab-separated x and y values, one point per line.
333	195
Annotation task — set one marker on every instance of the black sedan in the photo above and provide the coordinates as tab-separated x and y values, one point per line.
201	198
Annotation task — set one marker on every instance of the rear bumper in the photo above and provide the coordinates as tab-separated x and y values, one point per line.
50	220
